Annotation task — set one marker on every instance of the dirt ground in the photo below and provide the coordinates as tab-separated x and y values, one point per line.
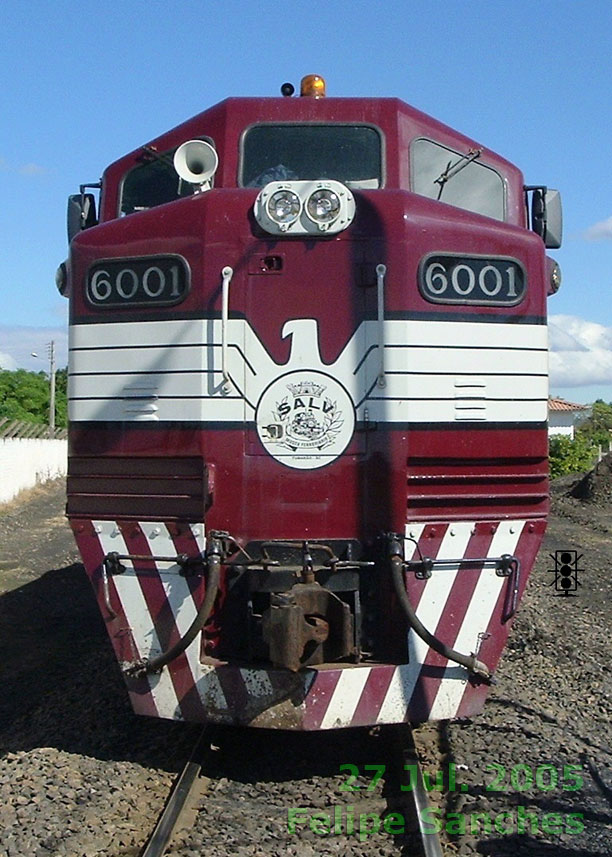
540	750
34	535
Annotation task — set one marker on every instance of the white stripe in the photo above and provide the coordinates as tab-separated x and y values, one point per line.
210	690
197	332
346	696
160	544
184	611
430	608
175	586
476	620
174	370
453	359
437	411
413	532
453	386
138	618
198	531
168	410
257	683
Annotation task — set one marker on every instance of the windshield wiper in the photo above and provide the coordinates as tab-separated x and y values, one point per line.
452	169
150	153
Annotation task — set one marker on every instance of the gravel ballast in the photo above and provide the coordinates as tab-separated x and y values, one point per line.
81	776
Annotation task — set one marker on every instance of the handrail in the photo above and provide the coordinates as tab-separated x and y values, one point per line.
227	274
381	270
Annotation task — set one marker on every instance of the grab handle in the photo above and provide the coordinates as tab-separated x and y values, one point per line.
227	274
381	270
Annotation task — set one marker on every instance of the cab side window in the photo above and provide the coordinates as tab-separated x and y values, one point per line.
457	178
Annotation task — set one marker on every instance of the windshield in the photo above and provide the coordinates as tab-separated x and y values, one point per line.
457	178
153	182
348	153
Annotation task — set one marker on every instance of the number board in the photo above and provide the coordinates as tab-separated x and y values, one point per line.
454	279
149	281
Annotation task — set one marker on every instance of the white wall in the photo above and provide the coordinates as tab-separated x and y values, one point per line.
24	462
561	422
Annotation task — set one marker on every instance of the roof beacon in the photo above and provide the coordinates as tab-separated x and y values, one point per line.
313	85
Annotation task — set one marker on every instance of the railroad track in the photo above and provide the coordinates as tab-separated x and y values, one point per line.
187	787
404	793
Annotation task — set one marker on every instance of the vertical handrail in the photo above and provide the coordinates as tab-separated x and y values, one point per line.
381	270
227	274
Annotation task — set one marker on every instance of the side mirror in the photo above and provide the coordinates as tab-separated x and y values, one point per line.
547	216
81	213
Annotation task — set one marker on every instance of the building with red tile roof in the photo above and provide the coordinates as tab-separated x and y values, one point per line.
563	416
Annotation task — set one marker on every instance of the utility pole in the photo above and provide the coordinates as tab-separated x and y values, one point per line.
52	371
51	387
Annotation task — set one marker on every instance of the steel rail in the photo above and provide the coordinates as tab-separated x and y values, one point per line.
406	757
178	799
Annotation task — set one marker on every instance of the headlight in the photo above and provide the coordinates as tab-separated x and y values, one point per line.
283	207
304	207
323	206
554	275
61	279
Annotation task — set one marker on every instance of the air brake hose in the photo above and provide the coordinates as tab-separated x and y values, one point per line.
470	662
212	586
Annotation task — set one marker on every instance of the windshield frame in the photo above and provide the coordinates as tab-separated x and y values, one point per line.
310	124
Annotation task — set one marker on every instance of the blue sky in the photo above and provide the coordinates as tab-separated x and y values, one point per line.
85	82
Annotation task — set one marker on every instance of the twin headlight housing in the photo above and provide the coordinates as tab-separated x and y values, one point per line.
304	207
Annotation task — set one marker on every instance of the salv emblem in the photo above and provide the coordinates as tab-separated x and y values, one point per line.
305	419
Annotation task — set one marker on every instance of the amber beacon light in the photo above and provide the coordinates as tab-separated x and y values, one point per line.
313	85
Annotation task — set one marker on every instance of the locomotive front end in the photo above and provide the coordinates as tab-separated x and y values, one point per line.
308	392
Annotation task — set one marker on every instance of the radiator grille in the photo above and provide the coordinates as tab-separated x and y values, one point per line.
137	487
479	488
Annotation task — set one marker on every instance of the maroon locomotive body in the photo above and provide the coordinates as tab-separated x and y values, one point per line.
308	404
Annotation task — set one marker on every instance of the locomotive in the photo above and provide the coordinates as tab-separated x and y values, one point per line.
308	410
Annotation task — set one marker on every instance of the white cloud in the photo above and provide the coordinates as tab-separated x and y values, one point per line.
18	343
580	352
29	169
6	361
601	231
32	170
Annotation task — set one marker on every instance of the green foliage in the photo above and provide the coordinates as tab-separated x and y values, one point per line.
597	428
570	456
61	398
25	396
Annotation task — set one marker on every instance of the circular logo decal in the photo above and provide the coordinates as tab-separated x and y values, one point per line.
305	419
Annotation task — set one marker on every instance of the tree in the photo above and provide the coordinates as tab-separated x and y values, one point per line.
61	398
25	396
596	428
567	455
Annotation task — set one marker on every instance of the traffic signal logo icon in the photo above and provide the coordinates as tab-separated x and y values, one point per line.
566	572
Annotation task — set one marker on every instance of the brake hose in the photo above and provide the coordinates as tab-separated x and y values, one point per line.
157	663
470	662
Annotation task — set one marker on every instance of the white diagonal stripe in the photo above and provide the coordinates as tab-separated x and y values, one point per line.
431	606
476	621
198	531
160	544
413	534
138	618
257	682
210	690
345	698
175	587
